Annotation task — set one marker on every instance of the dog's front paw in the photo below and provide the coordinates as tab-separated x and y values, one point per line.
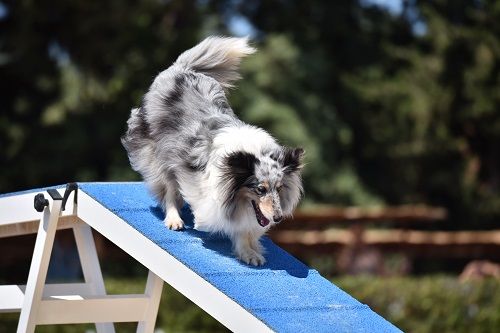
251	257
174	223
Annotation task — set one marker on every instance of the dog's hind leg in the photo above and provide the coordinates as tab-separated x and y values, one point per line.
172	201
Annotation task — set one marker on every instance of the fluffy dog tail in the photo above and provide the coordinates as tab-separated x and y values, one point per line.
217	57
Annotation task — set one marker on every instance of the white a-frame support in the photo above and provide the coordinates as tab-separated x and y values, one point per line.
87	302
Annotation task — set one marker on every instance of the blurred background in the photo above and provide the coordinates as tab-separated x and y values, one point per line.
396	102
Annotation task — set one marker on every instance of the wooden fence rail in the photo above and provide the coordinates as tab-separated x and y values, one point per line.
313	231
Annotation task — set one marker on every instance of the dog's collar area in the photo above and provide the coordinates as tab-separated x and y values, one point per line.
261	219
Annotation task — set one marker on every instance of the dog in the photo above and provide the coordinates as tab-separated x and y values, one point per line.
189	146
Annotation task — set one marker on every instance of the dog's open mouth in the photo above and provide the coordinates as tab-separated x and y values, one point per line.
263	221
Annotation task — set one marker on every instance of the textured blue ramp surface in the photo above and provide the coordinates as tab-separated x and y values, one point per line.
284	293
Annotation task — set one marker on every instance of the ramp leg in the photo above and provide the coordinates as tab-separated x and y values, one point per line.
154	286
38	268
91	268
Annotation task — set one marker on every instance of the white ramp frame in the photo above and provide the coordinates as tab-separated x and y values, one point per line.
90	267
154	285
42	304
38	269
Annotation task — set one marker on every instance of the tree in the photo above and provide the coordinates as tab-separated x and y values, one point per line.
400	107
392	107
70	73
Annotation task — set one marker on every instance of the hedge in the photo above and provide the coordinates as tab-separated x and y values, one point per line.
431	303
415	304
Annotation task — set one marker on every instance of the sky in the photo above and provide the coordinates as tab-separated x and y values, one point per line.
3	10
393	6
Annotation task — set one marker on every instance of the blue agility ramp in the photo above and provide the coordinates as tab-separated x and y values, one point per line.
284	295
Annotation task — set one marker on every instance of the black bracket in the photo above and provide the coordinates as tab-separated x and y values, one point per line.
70	187
40	202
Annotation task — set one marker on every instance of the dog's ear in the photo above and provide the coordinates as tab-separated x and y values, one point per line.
241	163
292	159
238	170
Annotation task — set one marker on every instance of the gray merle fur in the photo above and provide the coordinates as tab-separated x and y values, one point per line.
187	143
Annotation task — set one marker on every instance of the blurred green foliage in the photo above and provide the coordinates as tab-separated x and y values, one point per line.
392	107
431	303
425	305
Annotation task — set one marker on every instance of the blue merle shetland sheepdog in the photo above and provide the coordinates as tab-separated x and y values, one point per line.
188	145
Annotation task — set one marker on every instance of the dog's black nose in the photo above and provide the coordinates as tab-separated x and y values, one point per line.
278	219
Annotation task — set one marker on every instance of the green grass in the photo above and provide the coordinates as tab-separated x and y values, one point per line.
414	304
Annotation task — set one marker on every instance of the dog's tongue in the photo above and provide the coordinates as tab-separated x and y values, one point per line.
261	219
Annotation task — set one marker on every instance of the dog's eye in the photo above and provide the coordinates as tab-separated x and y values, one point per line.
261	190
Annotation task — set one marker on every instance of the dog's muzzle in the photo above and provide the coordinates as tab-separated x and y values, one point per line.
261	219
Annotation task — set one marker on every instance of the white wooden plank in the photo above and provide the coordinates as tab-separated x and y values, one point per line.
91	268
154	286
38	268
115	308
11	298
57	289
31	227
19	208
